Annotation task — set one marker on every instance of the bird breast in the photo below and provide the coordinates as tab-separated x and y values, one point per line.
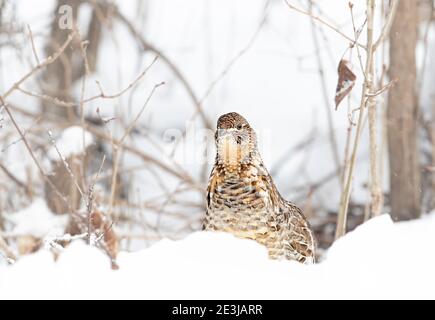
240	204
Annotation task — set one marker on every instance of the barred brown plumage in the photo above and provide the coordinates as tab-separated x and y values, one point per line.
242	198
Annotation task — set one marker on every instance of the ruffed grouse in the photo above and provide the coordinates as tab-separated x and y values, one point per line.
242	198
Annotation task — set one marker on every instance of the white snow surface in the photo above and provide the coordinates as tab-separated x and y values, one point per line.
36	220
72	141
380	259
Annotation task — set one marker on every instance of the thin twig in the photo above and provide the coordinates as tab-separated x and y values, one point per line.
383	89
65	164
236	57
16	85
329	25
46	97
149	47
345	196
11	257
25	131
357	33
179	173
103	95
29	149
41	65
90	202
326	100
387	26
83	47
35	54
118	146
13	177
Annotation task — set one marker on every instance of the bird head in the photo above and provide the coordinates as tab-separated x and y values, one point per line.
235	139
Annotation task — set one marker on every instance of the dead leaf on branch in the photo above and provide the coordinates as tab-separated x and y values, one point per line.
346	81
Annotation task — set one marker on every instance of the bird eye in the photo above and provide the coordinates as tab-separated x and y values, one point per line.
239	127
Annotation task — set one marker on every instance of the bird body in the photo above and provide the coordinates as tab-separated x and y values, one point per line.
242	198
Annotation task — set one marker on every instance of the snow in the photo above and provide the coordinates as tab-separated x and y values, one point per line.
70	142
36	220
379	259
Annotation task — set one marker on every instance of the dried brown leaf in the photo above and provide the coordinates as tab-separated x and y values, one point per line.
102	225
346	81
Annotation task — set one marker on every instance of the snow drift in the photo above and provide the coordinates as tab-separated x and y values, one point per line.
380	259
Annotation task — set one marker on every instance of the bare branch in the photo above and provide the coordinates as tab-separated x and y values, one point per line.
102	95
147	46
8	252
329	25
387	26
12	176
33	45
118	146
41	65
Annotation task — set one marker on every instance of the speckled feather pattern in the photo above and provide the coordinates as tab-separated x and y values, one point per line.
242	199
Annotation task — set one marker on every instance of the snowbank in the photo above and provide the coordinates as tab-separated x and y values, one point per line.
380	259
36	220
73	140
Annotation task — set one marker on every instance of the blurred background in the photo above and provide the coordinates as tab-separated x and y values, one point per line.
140	166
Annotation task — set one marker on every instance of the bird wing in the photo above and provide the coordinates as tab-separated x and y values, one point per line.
210	190
300	241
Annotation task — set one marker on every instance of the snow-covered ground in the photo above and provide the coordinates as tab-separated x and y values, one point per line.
380	259
275	83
